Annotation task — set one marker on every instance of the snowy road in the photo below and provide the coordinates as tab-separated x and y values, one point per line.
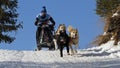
87	58
105	56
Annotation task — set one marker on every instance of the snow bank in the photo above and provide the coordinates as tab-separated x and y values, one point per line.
110	47
105	56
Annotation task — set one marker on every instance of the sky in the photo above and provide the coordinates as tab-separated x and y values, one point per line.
78	13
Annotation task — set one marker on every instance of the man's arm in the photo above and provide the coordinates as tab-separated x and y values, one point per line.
36	22
52	20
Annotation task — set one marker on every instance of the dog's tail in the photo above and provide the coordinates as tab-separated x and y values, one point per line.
70	28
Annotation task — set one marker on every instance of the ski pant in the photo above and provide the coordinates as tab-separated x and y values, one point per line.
37	36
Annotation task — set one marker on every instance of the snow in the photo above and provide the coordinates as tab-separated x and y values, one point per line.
115	14
105	56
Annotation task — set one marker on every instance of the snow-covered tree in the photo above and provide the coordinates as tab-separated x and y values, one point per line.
8	20
106	9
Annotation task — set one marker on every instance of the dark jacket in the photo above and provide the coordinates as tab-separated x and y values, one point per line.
42	20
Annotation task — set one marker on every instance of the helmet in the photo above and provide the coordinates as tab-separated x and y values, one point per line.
44	10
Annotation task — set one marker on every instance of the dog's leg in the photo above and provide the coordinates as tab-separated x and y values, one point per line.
72	52
61	50
76	47
55	42
67	48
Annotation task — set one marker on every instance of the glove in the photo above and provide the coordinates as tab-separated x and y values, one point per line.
53	25
40	25
36	23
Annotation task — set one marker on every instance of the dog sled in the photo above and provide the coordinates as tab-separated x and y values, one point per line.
46	38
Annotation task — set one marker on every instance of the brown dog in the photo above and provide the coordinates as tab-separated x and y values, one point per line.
73	39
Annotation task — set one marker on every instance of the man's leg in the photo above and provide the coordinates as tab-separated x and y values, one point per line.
37	37
50	34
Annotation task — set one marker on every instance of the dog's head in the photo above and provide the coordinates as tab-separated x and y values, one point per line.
73	32
61	28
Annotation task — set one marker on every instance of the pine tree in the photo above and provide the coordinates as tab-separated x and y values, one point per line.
106	8
8	20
